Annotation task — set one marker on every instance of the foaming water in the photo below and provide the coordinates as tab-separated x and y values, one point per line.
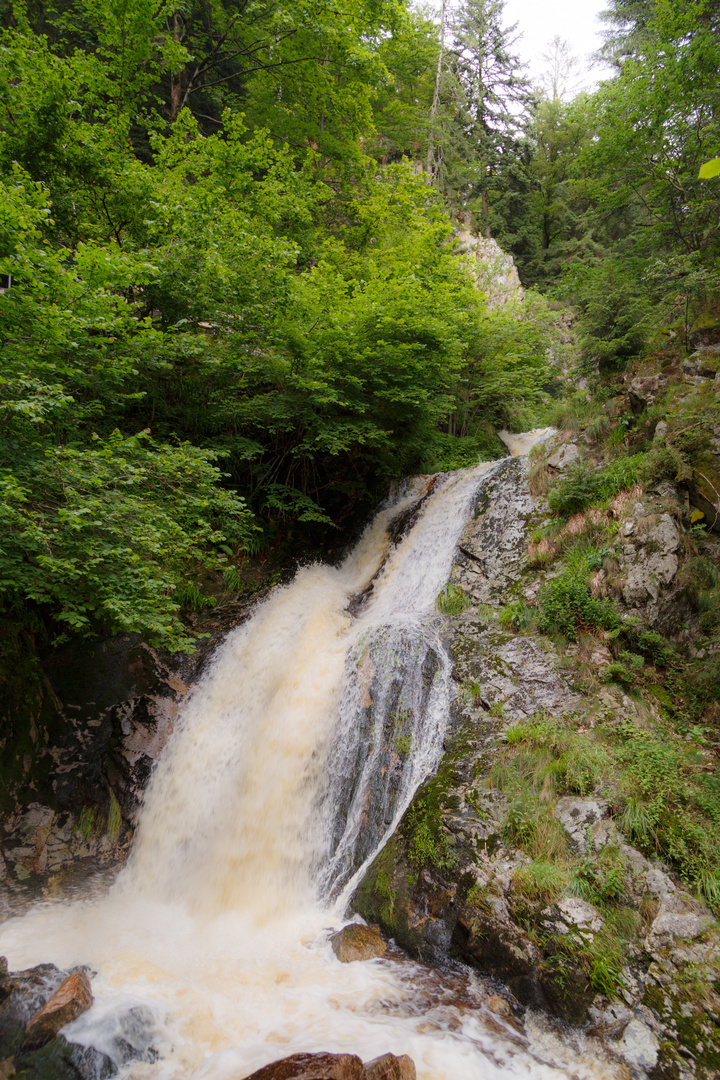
211	952
522	444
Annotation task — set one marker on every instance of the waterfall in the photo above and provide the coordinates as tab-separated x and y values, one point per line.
294	759
231	815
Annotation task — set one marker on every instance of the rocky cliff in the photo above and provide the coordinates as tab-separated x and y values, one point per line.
562	846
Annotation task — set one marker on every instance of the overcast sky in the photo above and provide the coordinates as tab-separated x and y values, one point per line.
575	21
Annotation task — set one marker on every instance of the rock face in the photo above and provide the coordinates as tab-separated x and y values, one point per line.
72	998
649	556
491	552
644	390
456	880
75	760
356	942
313	1067
639	1046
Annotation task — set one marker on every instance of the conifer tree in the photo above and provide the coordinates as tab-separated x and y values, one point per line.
493	95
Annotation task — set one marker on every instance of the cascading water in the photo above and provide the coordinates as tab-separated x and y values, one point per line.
295	757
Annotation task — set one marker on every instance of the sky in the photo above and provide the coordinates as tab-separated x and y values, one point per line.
575	21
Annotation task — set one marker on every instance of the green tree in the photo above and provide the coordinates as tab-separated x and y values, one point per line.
494	95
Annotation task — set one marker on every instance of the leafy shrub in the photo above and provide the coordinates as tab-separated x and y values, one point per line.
573	492
567	606
583	486
665	463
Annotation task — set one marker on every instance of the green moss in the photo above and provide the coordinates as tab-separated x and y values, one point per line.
688	1016
114	819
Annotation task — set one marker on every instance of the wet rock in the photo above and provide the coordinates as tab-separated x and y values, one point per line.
610	1021
357	942
577	815
313	1067
57	1059
564	457
389	1067
492	547
661	430
63	1060
496	946
399	686
639	1046
72	998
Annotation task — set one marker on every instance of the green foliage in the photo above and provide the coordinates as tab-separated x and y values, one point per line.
517	616
583	486
601	881
214	340
452	600
575	491
114	820
669	806
566	604
506	368
709	169
541	880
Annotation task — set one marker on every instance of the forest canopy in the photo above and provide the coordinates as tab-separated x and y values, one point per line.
237	306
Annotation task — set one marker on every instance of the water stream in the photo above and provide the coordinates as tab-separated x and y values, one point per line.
295	757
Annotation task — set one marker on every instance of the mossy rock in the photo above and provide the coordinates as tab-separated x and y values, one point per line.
687	1018
61	1060
704	331
705	489
385	896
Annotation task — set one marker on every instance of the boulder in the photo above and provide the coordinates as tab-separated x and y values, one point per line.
72	998
644	389
577	815
313	1067
703	364
638	1045
564	457
497	946
357	942
389	1067
650	560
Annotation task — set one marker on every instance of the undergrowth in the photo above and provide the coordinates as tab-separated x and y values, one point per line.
661	798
